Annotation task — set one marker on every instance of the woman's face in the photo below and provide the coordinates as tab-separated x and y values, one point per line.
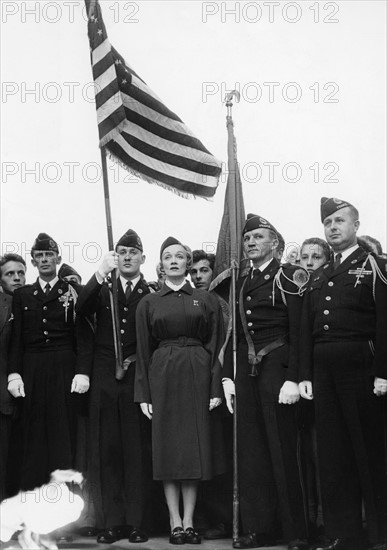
312	257
174	260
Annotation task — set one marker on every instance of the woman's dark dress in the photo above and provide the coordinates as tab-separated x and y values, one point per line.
179	335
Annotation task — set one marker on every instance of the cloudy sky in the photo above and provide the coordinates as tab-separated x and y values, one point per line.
310	122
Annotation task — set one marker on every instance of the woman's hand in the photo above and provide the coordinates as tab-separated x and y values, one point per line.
215	402
147	409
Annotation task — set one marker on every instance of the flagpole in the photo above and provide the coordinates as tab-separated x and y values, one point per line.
113	290
234	270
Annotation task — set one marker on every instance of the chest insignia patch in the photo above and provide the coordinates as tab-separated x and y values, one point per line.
140	291
266	277
195	302
35	292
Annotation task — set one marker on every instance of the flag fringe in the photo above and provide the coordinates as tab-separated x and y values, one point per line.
153	181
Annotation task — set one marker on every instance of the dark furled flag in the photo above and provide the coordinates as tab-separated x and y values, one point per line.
138	130
229	251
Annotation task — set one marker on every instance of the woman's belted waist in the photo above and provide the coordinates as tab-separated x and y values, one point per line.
181	341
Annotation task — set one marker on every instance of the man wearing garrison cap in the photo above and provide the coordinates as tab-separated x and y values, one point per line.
43	367
69	274
268	312
343	353
117	457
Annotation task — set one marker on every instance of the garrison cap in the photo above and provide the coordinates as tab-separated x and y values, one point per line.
257	222
66	270
331	205
44	242
130	238
169	241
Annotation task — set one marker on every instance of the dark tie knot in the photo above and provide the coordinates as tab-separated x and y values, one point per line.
47	289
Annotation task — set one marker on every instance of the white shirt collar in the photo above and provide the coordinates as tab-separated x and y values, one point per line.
347	252
175	287
133	281
52	283
261	268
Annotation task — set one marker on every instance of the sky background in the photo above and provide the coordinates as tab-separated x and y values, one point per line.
312	79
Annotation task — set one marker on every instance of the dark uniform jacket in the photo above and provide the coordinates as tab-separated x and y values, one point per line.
119	436
95	298
268	321
348	304
6	400
43	352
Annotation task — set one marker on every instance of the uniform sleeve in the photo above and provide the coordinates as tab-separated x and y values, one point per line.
16	347
380	358
214	344
306	341
84	337
88	299
145	348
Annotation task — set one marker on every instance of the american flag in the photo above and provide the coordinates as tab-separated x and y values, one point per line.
138	130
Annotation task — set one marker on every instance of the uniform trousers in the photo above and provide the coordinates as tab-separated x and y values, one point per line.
351	438
268	449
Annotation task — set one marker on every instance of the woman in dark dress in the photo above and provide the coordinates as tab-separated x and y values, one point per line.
179	336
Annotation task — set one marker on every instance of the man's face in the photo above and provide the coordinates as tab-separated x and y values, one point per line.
258	245
312	257
46	262
72	279
13	276
340	229
201	274
130	260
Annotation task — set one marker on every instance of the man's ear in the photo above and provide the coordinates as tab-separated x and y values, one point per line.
58	259
33	262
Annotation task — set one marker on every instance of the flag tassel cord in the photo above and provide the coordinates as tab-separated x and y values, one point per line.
119	373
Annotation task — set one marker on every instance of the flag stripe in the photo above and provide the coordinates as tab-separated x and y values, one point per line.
177	160
162	121
138	129
164	132
100	52
163	167
170	146
109	107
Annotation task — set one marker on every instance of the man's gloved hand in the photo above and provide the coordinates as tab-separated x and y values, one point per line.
380	386
109	263
147	409
215	402
229	392
289	393
16	385
80	384
306	389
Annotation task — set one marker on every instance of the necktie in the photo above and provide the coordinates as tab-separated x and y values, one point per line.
47	289
256	272
337	261
128	290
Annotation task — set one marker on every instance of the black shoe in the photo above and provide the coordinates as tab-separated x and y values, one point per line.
137	535
177	536
341	544
298	544
192	536
88	531
252	540
220	531
113	534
